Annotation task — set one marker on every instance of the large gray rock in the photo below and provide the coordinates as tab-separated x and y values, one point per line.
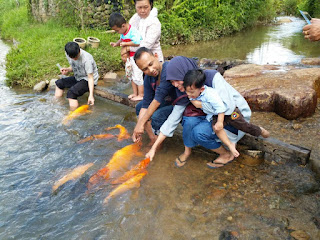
291	94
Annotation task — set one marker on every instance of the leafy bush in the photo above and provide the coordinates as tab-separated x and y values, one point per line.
193	20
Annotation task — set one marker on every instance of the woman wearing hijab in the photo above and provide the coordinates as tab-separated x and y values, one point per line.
197	130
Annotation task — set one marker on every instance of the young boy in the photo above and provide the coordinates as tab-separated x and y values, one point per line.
212	104
129	37
85	76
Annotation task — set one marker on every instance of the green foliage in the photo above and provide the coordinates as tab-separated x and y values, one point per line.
311	6
41	46
290	7
185	20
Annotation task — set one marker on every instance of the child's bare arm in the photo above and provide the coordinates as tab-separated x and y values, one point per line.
129	44
196	103
115	44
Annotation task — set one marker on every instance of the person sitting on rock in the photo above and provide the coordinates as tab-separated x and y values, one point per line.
220	110
85	76
129	37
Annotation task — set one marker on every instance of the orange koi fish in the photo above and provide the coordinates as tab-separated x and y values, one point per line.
82	110
123	134
133	182
119	160
74	174
95	137
140	167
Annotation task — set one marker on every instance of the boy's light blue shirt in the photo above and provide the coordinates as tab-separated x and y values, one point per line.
212	104
132	35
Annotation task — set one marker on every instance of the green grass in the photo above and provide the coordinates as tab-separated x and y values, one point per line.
41	47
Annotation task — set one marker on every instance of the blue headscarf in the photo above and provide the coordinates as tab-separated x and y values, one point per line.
176	70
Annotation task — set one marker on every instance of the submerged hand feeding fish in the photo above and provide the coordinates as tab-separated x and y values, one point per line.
119	160
123	134
74	174
82	110
133	182
140	167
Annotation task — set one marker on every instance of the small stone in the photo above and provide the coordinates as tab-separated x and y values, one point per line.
52	83
300	235
273	163
110	76
229	218
297	126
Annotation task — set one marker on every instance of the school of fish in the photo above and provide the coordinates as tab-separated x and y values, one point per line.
119	162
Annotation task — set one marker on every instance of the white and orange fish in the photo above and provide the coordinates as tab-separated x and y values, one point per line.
96	137
82	110
119	160
140	167
123	134
73	175
133	182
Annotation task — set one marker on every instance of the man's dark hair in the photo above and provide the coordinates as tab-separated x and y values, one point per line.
139	52
150	1
72	49
116	19
194	77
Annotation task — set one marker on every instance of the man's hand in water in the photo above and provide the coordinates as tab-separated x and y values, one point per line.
137	132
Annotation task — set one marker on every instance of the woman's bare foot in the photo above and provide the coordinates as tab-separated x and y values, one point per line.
137	98
264	133
221	161
132	96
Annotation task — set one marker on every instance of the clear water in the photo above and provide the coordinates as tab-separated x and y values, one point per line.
265	201
277	44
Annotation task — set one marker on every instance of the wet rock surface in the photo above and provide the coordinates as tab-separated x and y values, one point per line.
289	93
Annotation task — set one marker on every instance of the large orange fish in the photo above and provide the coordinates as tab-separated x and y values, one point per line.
82	110
95	137
133	182
140	167
74	174
123	134
119	160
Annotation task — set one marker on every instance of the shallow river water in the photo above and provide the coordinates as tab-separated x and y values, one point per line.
270	200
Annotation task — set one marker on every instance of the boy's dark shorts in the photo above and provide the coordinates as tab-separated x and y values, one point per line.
76	88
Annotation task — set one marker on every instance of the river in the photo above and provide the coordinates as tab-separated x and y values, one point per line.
267	201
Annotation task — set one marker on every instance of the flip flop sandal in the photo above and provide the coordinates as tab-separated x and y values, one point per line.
182	162
220	164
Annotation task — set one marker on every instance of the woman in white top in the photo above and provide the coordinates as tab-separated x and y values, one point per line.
147	22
